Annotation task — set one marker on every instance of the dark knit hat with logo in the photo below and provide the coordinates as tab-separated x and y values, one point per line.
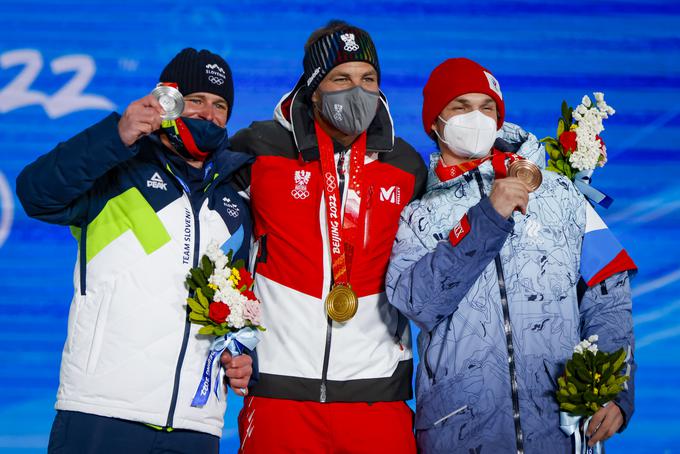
200	71
347	44
456	77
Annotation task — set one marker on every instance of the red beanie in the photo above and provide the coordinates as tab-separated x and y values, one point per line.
453	78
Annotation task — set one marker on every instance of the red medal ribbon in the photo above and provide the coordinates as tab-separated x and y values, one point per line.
445	173
342	235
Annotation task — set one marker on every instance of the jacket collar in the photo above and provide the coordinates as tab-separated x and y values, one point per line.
511	138
294	113
221	165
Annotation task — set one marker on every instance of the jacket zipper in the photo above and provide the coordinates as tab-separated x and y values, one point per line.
329	320
187	322
507	326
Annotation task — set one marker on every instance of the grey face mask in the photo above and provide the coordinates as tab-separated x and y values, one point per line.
351	111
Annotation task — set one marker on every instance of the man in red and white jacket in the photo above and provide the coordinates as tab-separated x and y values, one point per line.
327	188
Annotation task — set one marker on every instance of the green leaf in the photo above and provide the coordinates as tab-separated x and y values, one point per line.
198	318
191	284
561	382
552	168
572	389
570	117
583	374
208	329
560	127
221	331
196	307
202	299
207	266
199	278
565	109
240	263
556	152
620	357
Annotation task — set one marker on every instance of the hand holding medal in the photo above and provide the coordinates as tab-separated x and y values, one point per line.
527	172
170	99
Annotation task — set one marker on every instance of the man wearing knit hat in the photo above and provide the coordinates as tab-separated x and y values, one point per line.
144	198
503	278
327	187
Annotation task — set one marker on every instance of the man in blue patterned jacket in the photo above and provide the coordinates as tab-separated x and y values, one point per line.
503	283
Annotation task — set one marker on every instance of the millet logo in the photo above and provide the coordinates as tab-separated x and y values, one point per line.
391	194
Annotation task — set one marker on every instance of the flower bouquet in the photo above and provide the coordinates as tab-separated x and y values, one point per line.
224	303
578	149
591	380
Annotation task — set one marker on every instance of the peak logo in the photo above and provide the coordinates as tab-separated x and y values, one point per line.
391	194
156	182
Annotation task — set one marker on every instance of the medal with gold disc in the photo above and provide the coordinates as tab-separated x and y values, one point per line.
341	302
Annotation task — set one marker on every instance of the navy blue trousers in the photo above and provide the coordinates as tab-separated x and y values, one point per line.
82	433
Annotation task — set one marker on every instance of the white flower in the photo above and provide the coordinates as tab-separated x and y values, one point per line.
236	318
214	252
593	348
593	338
220	278
578	349
589	152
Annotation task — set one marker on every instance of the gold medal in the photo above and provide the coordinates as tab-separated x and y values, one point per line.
341	303
527	172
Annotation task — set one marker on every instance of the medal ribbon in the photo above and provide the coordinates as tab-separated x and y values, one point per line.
342	235
497	158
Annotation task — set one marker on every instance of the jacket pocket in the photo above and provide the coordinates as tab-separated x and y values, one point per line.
98	331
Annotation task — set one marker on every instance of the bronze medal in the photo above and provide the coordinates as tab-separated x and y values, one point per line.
341	303
527	172
171	100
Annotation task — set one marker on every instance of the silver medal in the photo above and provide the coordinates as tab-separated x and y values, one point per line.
171	100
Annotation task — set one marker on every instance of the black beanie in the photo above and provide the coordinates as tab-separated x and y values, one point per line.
329	51
200	71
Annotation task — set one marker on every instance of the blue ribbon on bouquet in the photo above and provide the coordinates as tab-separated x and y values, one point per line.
570	425
582	182
247	337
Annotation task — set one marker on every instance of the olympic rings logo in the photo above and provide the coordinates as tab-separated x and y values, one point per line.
330	182
299	194
216	80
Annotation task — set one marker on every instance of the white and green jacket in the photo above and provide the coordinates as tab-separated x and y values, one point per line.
131	352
